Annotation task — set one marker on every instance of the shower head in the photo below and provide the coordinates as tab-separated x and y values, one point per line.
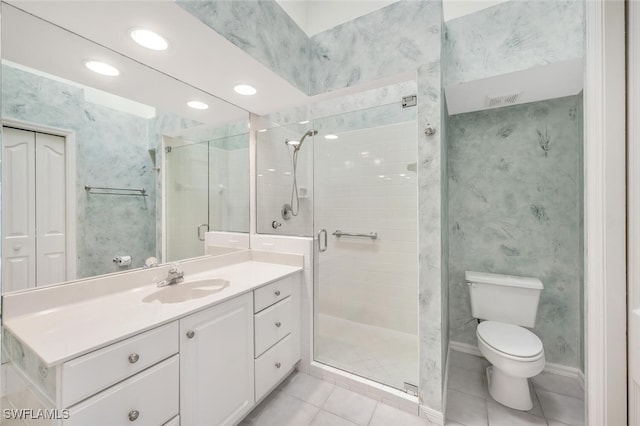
298	144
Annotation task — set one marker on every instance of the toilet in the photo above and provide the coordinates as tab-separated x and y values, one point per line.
506	304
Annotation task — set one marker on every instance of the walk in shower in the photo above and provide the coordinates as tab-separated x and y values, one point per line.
357	189
206	188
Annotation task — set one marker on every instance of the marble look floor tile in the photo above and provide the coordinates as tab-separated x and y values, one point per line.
537	408
325	418
385	415
466	409
351	406
470	382
467	361
307	388
281	409
448	422
499	415
557	423
562	408
558	384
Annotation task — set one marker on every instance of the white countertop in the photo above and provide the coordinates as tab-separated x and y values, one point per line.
67	331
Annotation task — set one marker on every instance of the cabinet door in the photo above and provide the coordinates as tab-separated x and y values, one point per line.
216	364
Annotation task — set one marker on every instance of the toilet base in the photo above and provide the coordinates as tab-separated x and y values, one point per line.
512	392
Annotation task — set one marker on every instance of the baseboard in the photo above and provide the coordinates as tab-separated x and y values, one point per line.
550	367
434	417
446	380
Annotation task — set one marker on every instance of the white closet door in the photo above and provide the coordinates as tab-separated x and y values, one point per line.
18	210
50	209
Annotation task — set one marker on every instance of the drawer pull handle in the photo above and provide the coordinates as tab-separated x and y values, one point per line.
190	334
277	292
133	358
133	415
278	324
278	365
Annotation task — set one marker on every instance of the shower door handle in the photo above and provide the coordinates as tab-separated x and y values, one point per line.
322	248
200	234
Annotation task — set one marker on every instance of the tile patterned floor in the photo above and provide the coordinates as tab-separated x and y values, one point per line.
379	354
557	400
303	400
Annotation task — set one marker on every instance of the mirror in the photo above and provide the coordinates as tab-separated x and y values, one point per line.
92	179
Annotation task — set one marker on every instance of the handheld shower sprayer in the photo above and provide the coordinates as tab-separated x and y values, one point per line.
292	209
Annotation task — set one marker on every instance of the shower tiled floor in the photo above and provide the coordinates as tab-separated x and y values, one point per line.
379	354
303	400
557	400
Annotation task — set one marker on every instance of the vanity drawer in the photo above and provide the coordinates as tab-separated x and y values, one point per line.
149	398
272	324
91	373
275	364
274	292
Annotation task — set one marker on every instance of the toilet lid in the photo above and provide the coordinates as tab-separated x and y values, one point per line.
510	339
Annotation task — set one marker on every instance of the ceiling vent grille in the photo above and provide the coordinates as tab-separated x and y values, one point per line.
504	100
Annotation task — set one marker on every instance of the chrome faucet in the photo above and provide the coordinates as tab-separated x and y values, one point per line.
174	276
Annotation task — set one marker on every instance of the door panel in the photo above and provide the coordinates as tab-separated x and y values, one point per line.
365	209
50	209
18	210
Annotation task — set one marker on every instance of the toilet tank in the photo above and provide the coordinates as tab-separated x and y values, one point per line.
504	298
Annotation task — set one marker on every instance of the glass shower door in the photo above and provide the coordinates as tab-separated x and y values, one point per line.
187	201
366	284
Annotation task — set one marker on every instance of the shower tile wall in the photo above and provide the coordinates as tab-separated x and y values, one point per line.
368	312
364	186
512	36
111	151
274	180
228	186
515	185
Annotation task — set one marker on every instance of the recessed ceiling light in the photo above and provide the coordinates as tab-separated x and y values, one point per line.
331	137
245	89
102	68
197	105
303	122
149	39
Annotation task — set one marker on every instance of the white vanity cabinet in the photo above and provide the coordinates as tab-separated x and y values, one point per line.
277	331
216	364
132	382
205	366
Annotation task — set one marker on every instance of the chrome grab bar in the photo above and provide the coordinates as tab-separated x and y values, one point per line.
372	235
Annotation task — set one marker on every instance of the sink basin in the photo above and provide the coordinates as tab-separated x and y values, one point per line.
183	292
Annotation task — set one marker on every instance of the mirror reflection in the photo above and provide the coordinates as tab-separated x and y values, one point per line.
94	179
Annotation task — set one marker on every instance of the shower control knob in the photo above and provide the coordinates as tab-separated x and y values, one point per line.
133	358
275	224
277	292
190	334
133	415
278	324
278	365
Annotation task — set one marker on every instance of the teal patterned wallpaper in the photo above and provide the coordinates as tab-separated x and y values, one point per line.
515	207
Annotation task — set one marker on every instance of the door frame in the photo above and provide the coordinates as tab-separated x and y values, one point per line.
70	184
605	208
633	205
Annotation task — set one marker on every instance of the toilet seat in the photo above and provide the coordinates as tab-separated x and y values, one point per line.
510	340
